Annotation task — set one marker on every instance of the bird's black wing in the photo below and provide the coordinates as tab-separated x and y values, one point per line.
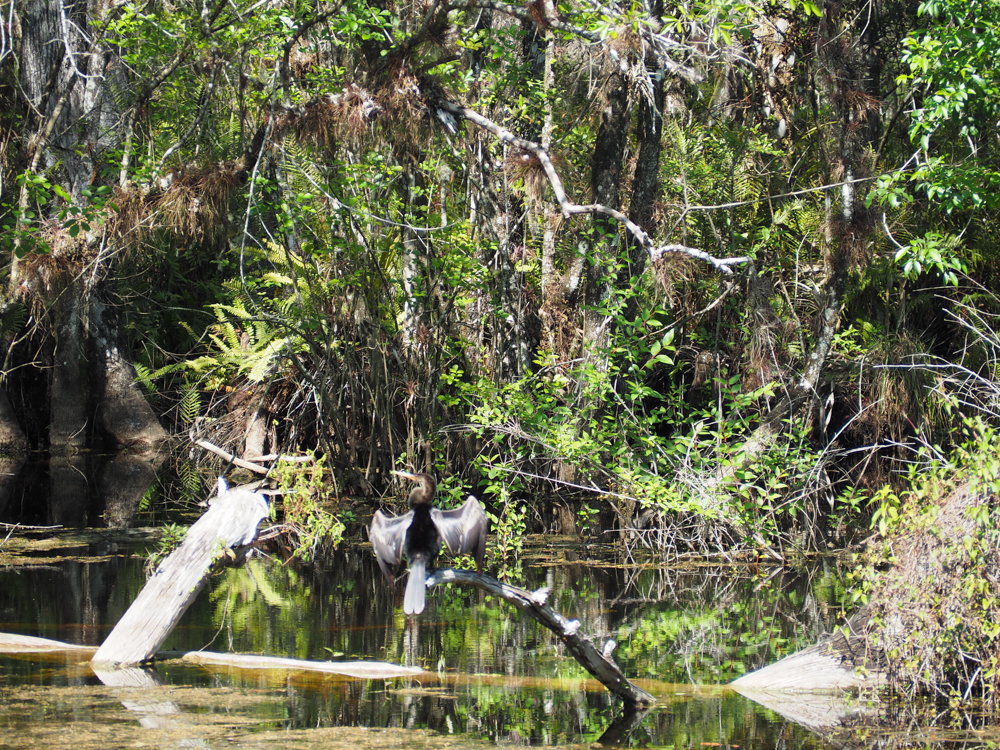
463	530
387	535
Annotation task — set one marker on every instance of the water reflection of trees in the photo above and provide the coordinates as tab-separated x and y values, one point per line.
700	624
670	624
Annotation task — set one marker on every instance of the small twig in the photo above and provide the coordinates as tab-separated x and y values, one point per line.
30	528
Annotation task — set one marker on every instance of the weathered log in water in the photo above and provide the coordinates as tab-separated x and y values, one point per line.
14	643
227	528
364	670
598	663
839	662
817	686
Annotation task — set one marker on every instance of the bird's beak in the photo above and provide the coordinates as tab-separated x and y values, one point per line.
405	475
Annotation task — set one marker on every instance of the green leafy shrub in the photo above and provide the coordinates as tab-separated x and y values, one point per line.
930	579
304	488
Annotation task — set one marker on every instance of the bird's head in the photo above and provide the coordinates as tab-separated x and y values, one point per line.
425	489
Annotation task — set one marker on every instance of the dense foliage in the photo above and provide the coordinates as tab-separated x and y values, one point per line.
936	619
684	267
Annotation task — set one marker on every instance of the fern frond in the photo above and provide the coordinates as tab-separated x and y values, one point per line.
189	408
190	480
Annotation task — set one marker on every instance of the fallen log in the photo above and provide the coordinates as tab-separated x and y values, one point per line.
362	670
117	675
840	661
12	643
598	663
254	463
223	533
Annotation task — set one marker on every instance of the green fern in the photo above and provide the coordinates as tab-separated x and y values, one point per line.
189	408
144	377
190	481
747	185
13	319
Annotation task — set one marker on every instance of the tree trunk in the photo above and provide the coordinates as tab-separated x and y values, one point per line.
606	178
646	182
124	412
12	438
70	81
414	251
255	437
68	394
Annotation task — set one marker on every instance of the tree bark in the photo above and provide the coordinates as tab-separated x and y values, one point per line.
646	182
606	178
69	394
124	412
12	438
69	78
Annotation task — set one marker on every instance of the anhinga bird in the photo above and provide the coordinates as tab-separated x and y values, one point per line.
418	534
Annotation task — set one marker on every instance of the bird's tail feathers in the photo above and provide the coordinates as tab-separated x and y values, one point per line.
416	588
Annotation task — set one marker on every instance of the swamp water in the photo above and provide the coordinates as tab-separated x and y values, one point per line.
491	676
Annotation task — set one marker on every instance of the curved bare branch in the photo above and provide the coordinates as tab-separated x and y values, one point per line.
569	209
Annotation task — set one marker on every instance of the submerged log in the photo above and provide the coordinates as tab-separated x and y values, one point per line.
363	670
840	661
224	532
13	643
598	663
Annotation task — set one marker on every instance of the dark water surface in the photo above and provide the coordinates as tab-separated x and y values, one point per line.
497	678
492	677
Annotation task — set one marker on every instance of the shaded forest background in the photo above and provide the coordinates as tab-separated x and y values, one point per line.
717	270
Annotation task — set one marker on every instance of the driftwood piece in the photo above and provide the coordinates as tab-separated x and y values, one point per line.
365	670
227	528
815	687
12	643
838	662
598	663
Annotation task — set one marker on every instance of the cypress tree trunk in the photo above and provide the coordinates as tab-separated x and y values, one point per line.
67	76
606	179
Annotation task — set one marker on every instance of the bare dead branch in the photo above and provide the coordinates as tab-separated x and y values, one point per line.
575	209
212	448
598	663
